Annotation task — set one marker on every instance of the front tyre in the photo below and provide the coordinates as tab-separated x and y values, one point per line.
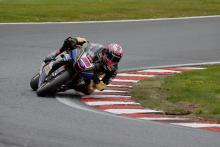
49	88
34	82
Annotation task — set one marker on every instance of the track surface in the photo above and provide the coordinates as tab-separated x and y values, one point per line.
26	120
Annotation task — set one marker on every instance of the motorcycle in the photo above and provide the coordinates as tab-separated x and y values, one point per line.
74	75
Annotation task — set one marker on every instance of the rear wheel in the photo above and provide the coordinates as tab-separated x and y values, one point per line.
49	88
34	82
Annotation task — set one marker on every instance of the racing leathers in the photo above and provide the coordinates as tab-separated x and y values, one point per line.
96	53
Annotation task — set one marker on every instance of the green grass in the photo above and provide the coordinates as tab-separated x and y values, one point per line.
78	10
195	93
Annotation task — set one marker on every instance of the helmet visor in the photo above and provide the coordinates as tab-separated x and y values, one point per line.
113	58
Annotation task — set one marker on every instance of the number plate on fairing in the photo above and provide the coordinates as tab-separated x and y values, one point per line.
85	63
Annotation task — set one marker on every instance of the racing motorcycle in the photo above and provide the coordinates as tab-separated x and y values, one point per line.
74	75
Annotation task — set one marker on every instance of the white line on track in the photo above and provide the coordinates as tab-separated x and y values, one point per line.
171	66
161	118
126	86
110	91
112	21
72	104
100	103
105	96
160	71
134	75
196	125
69	102
192	68
130	111
120	80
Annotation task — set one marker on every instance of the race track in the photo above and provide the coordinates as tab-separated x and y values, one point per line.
30	121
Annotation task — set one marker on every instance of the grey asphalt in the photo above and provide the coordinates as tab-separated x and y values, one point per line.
29	121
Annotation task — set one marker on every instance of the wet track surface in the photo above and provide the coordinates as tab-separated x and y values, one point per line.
27	120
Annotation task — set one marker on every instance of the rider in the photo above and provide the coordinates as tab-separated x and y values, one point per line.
105	59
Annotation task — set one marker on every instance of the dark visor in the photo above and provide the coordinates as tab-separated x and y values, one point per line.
113	58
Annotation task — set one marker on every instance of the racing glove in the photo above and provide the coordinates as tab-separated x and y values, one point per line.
81	41
100	86
69	43
52	56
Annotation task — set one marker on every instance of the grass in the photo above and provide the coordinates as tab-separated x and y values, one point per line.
78	10
195	93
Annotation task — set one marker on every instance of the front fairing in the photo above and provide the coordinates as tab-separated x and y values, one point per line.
46	68
43	73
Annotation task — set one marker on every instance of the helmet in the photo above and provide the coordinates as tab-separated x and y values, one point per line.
112	54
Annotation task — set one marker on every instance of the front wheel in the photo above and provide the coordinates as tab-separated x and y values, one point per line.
34	82
51	86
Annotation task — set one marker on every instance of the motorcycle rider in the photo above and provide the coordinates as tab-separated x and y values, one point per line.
105	59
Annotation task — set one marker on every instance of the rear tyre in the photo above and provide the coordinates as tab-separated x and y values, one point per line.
34	82
50	88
